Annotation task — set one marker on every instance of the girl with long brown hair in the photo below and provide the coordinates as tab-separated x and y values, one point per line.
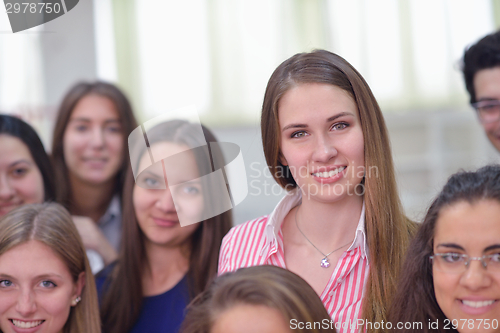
341	226
90	158
162	264
46	284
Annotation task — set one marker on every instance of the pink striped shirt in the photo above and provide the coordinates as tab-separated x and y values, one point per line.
260	242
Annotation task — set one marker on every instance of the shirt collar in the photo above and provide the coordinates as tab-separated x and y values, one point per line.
112	211
292	199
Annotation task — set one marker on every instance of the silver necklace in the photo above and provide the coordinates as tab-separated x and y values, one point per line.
324	262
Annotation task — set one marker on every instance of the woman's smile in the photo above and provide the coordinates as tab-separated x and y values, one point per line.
27	326
163	222
321	140
330	175
477	305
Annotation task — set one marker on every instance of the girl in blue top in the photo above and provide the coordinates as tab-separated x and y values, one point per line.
162	265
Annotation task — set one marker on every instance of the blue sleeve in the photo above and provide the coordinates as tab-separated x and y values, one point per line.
100	280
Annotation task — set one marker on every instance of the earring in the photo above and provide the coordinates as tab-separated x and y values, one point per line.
76	301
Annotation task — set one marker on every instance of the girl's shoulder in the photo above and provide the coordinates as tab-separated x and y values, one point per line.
240	231
241	244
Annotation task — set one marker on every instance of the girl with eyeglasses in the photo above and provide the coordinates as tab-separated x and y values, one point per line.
451	276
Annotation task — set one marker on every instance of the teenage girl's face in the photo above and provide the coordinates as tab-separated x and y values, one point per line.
474	294
322	141
36	289
247	318
93	141
21	181
157	214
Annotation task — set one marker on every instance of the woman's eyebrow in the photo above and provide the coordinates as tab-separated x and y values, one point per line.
293	126
6	277
332	118
80	119
341	114
113	121
492	247
21	161
451	245
88	120
47	276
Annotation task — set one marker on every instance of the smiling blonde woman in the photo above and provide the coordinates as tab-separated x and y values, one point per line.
45	278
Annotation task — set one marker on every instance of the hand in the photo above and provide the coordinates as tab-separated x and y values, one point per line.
94	239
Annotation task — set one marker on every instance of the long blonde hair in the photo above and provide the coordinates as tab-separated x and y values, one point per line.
51	224
388	230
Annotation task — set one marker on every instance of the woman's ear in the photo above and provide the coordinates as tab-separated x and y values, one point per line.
80	283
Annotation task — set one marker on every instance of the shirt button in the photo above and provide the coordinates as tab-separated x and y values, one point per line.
339	280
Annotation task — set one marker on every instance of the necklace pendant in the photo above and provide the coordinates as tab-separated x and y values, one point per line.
325	263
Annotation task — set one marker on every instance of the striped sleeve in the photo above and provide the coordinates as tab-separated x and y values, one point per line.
224	253
242	245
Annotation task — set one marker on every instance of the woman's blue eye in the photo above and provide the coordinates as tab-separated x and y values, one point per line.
48	284
191	190
114	129
150	182
5	283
